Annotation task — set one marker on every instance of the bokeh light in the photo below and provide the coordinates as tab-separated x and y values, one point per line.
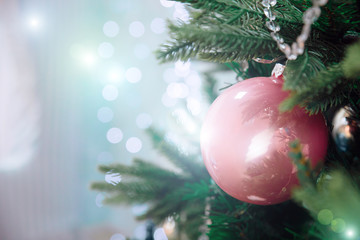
181	13
193	80
106	50
350	233
194	106
177	90
139	209
169	75
99	200
143	120
136	29
105	114
168	101
158	25
325	216
111	29
140	231
182	69
185	120
133	75
117	236
34	22
114	135
133	145
89	59
166	3
112	72
115	75
110	92
338	225
159	234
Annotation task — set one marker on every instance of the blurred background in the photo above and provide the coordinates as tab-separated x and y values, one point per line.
79	83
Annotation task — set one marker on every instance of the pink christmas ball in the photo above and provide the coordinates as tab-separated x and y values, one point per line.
245	141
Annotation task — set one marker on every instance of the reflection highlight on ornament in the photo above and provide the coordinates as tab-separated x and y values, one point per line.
240	95
256	198
259	144
113	178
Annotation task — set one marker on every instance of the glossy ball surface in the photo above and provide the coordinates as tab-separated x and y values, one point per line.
245	141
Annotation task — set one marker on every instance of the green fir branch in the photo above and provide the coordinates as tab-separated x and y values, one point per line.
143	169
333	199
188	164
298	74
318	89
321	92
218	43
351	63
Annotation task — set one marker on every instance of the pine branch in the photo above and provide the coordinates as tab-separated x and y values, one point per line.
317	88
284	10
143	169
189	164
298	74
351	63
320	92
331	199
218	43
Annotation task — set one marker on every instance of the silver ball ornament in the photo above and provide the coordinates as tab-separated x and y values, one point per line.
346	132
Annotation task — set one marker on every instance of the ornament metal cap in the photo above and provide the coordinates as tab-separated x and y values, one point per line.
278	70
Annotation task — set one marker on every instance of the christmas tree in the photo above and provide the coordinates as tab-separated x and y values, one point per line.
322	76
